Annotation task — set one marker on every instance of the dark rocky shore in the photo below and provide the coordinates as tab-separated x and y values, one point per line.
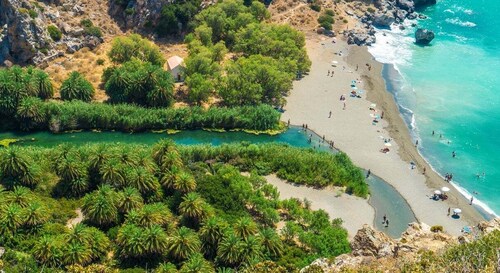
387	12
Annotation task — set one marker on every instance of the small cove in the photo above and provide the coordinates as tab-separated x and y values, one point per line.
384	198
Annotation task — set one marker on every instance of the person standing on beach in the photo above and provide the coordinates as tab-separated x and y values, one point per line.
384	219
387	223
424	170
471	200
344	106
416	143
449	210
368	173
330	115
328	73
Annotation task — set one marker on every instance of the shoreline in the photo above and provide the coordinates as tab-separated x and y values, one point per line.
482	208
314	95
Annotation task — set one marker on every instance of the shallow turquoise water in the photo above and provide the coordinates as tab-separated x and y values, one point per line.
453	88
384	198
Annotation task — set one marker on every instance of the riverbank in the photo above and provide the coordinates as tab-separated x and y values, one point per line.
352	129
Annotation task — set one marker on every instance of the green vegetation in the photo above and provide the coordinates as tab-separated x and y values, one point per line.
90	29
76	87
74	115
176	209
126	48
326	19
18	83
267	57
140	83
33	14
54	32
176	17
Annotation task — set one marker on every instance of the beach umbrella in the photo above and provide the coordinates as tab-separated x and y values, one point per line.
437	192
445	189
335	62
388	144
373	105
354	88
457	211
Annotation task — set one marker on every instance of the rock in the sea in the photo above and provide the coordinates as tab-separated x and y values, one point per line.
423	3
423	36
407	5
360	38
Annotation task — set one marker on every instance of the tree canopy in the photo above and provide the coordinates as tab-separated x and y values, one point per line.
132	46
76	87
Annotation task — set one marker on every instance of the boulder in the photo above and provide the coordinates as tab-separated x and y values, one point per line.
407	5
488	227
383	20
360	38
423	36
401	15
423	3
369	242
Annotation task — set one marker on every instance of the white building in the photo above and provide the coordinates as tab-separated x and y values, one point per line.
175	66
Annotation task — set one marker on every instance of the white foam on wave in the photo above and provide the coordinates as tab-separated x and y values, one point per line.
393	46
476	202
458	22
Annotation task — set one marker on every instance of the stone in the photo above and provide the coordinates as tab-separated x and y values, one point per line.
320	30
401	14
383	20
412	16
407	5
422	17
359	38
77	31
423	36
369	242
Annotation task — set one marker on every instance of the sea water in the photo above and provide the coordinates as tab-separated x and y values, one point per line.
452	87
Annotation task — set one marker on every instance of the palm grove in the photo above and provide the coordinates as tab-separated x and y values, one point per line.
168	208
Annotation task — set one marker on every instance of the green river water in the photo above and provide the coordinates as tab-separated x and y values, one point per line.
384	198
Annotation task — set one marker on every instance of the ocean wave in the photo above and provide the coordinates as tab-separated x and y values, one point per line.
477	202
393	46
458	22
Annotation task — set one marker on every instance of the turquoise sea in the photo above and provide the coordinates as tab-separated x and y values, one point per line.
452	87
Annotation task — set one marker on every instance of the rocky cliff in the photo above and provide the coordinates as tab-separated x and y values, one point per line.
137	14
374	249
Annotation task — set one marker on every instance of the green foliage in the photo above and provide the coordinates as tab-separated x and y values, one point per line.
58	117
54	32
140	83
437	229
76	87
175	14
126	48
100	61
326	19
90	29
200	88
33	14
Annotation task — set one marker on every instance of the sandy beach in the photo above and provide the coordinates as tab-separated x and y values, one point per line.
352	129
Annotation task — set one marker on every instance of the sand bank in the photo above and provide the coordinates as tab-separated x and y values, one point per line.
352	129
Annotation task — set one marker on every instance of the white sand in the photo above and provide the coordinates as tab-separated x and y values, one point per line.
354	211
352	131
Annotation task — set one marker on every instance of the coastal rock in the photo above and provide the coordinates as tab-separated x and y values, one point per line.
407	5
423	3
383	20
401	15
488	227
359	38
136	14
369	242
423	36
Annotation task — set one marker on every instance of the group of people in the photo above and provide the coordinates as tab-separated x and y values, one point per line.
448	177
385	220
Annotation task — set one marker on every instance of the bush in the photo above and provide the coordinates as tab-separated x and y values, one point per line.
76	87
54	32
126	48
33	14
90	29
437	228
100	61
86	23
315	7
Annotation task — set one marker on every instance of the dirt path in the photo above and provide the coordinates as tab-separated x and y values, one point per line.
75	221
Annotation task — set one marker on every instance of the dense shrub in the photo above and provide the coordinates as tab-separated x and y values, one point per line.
57	117
90	29
126	48
54	32
326	20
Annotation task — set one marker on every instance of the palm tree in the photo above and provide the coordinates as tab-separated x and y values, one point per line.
29	113
161	95
43	84
99	243
142	180
245	227
97	157
154	240
129	241
10	219
251	250
20	196
183	243
165	154
184	182
145	161
13	163
100	207
35	214
76	253
48	251
112	173
129	199
154	214
78	186
193	207
271	242
230	249
211	233
76	87
196	263
31	177
70	168
168	177
166	268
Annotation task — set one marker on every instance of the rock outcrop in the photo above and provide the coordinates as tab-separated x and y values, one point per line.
371	247
423	3
22	37
423	36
